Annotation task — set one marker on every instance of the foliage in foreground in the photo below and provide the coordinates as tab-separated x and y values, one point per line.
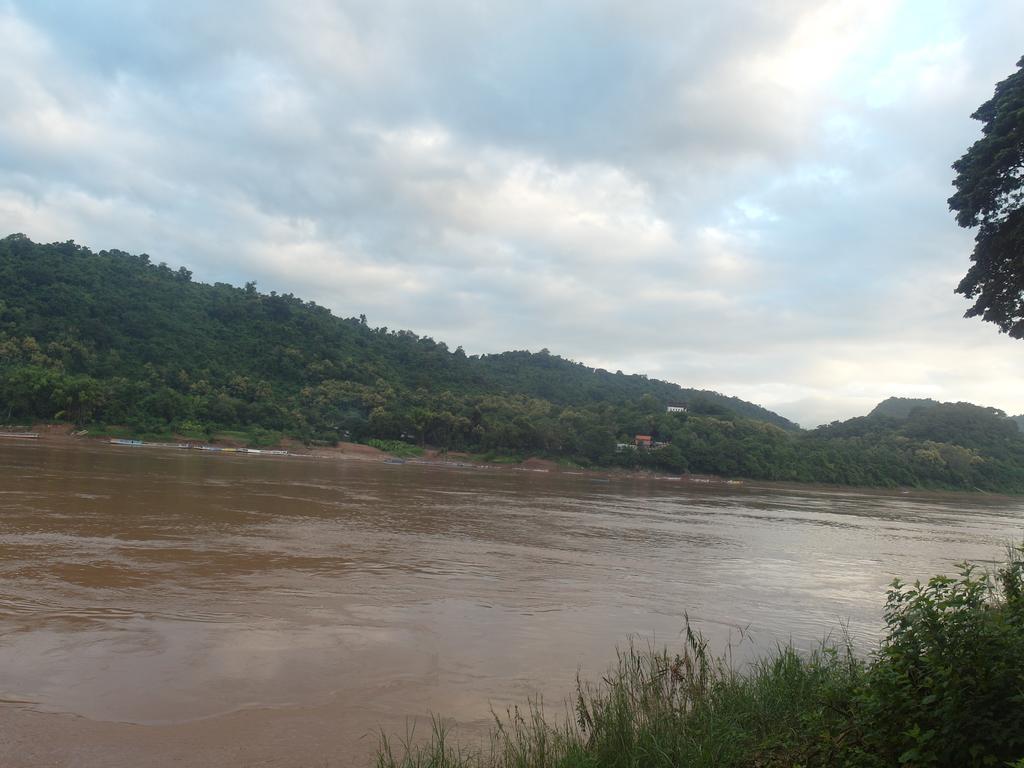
945	689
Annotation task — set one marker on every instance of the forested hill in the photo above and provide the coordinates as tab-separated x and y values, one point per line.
901	407
564	382
137	343
111	341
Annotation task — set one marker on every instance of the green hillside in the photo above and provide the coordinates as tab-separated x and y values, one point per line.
901	407
564	382
110	339
233	356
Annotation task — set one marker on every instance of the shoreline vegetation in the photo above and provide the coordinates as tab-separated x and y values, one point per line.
944	689
431	458
233	444
118	346
385	451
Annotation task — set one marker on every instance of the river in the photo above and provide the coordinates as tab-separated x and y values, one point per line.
167	608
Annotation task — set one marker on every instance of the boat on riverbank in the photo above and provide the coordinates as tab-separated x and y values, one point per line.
123	441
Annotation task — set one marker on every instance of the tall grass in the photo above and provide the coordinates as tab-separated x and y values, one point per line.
945	688
656	708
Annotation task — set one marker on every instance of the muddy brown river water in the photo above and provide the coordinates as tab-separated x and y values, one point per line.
164	608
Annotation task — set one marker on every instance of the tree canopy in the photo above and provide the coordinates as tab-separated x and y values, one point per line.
990	195
116	343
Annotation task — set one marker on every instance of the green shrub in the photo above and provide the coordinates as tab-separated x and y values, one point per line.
193	430
263	438
396	448
947	685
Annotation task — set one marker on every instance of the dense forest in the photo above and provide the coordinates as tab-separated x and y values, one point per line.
110	339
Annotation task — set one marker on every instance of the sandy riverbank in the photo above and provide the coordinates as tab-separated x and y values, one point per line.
62	434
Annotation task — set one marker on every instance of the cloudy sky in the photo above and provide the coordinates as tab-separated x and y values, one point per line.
742	196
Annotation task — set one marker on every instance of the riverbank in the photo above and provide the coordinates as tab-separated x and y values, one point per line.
287	448
65	434
943	690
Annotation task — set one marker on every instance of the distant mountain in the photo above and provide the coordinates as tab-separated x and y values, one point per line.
961	423
900	407
964	424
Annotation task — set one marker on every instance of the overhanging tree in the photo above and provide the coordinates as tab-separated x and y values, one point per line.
990	195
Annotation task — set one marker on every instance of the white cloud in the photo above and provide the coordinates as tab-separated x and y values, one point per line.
742	198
